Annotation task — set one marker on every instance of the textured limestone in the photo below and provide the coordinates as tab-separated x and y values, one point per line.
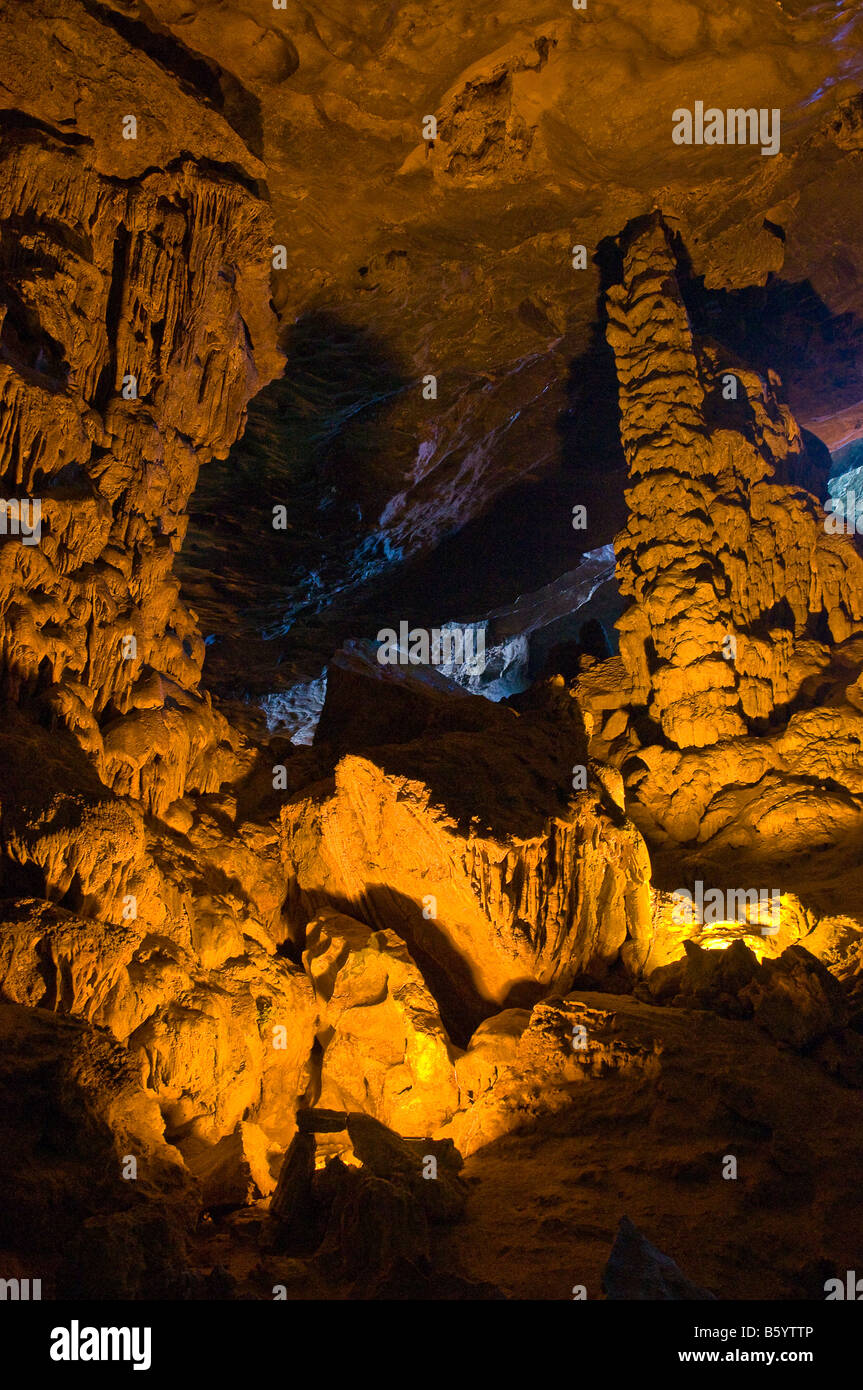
456	256
168	938
523	1064
733	709
73	1115
148	889
472	848
781	812
291	1211
725	558
385	1049
135	328
793	996
202	1041
135	324
561	1151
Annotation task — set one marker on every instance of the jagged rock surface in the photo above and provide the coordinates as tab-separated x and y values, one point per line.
472	847
149	889
168	937
134	327
638	1121
794	997
726	558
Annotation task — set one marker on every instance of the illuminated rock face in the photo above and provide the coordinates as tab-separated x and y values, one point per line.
733	578
204	1043
134	330
167	938
734	706
454	823
386	1051
496	918
134	327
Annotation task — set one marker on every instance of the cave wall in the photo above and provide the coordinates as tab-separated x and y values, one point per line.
136	325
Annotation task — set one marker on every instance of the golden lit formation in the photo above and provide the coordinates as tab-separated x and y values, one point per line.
431	662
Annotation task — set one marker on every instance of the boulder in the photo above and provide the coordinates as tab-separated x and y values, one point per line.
372	1224
318	1121
793	996
714	978
408	701
521	1065
385	1048
637	1270
292	1214
796	998
428	1168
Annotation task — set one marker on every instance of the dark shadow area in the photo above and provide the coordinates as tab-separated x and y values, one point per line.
65	1212
502	769
589	427
785	326
195	74
275	605
13	121
24	339
523	542
315	445
326	443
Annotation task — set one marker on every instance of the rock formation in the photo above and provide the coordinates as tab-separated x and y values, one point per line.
410	1011
732	575
384	1046
636	1269
74	1117
732	708
470	841
567	1140
135	327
